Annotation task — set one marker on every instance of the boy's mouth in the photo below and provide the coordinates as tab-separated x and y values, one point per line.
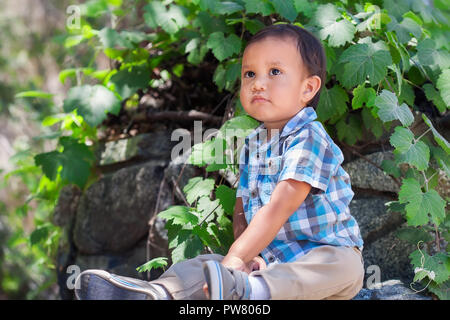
259	99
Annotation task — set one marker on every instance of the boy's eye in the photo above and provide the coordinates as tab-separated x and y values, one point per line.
276	71
247	73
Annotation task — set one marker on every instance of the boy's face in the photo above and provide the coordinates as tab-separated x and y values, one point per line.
272	69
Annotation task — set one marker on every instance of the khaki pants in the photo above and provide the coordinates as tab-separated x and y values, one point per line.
325	272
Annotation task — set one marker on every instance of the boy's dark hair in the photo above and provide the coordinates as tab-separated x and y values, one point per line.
310	49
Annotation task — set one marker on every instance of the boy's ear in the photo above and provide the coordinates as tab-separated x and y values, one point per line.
312	85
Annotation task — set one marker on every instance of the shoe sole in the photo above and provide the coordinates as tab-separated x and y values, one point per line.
101	285
214	279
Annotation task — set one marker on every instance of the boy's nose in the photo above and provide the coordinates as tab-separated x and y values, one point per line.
259	84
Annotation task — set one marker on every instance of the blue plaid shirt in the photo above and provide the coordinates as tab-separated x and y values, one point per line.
305	152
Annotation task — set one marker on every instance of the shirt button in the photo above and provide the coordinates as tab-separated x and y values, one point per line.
271	259
253	193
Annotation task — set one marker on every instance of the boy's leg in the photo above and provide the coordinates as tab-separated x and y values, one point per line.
326	272
184	280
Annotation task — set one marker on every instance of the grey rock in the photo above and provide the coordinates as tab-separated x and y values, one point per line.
365	175
124	264
391	256
178	173
157	145
372	216
66	207
390	290
113	213
382	248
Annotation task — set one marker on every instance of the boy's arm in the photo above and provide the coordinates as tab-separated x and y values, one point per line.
239	222
287	196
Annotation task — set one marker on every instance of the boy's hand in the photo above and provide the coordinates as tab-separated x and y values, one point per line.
235	263
257	263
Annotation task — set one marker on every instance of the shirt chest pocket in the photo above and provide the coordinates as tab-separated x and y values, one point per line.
269	173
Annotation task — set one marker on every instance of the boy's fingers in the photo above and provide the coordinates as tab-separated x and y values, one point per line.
205	290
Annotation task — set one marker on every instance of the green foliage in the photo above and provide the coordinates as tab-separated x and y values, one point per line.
378	59
160	262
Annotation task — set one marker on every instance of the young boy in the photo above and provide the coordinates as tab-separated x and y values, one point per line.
291	203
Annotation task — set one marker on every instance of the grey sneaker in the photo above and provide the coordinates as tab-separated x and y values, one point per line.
102	285
224	283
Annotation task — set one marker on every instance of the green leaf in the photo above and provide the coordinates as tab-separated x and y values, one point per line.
372	123
428	54
263	7
362	95
442	290
197	187
226	7
306	7
413	235
396	8
39	234
93	8
389	109
110	38
400	49
390	167
198	54
156	263
34	94
190	248
437	136
208	209
92	103
179	215
437	263
203	234
239	126
443	84
50	162
177	233
209	24
339	32
76	161
442	158
362	61
350	131
433	95
403	29
285	8
394	206
253	25
227	198
411	151
420	204
128	81
333	102
224	47
170	20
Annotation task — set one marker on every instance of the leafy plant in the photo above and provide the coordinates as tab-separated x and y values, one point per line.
383	58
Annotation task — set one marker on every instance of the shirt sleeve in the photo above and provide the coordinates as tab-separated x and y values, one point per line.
311	158
243	170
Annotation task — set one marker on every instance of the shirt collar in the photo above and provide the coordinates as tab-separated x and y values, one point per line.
304	116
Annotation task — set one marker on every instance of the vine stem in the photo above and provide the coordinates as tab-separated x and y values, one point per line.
434	224
426	131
